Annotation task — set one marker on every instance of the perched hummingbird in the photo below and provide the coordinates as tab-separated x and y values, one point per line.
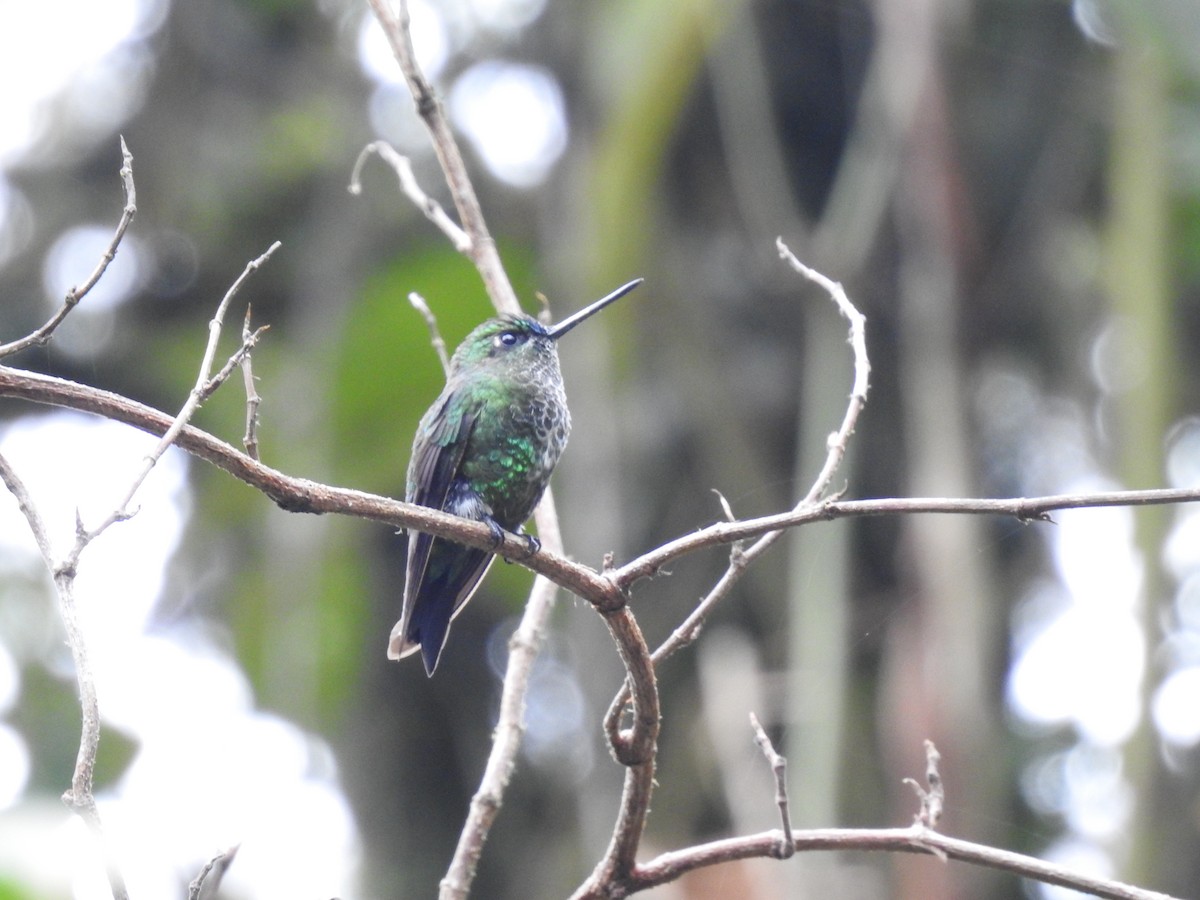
483	451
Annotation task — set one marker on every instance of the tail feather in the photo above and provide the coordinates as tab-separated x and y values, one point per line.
450	579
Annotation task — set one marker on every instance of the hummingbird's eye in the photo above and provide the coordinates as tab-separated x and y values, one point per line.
508	339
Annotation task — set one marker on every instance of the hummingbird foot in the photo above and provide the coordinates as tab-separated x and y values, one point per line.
497	532
532	545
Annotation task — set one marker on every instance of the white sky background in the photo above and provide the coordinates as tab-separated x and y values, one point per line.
264	782
252	778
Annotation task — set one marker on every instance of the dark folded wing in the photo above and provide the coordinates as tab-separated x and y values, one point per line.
437	454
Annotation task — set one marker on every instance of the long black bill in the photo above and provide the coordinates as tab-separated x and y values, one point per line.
571	321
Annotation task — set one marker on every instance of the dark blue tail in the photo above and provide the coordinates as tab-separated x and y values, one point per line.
450	579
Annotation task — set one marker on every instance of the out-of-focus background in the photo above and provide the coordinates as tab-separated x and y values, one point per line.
1009	189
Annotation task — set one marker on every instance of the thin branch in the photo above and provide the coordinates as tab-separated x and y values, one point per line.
238	360
778	765
217	322
203	388
435	336
77	293
918	838
636	748
79	798
858	322
300	494
37	525
933	794
523	648
249	339
482	248
741	558
402	166
670	866
1024	509
208	882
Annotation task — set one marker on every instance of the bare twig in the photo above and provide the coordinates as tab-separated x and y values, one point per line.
933	795
435	336
779	769
1024	509
919	838
238	360
485	805
202	389
218	320
725	507
77	293
489	796
862	369
250	439
670	866
402	166
740	559
37	525
636	748
634	804
836	444
208	882
79	798
482	249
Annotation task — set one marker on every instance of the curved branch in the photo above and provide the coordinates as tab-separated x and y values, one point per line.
302	494
740	558
636	748
402	166
914	839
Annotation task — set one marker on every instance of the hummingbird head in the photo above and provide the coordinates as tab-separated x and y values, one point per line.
508	345
505	346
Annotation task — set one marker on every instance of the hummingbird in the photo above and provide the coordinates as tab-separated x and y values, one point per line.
484	450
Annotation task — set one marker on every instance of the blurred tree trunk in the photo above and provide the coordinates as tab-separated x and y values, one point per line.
942	647
1139	282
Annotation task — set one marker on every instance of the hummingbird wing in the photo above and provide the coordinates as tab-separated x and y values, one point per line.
441	576
437	455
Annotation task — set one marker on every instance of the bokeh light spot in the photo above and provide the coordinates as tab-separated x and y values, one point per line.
515	116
